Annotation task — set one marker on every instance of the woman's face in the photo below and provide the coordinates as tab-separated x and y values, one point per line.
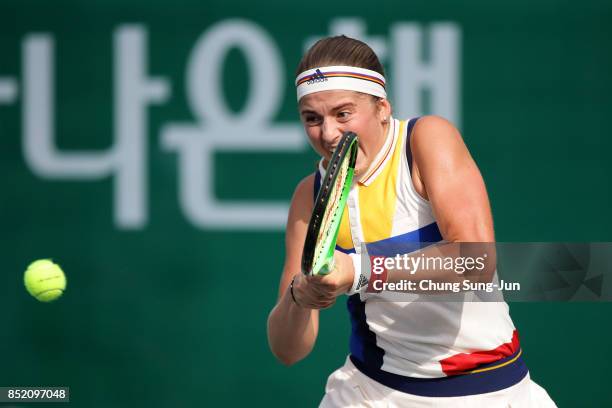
326	115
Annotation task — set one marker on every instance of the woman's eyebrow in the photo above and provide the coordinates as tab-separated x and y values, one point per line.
336	108
306	111
343	106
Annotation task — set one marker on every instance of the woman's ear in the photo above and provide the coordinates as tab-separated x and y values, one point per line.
384	109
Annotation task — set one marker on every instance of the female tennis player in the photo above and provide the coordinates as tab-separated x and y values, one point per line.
415	182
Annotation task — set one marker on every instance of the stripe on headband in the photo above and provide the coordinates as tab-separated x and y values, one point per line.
340	77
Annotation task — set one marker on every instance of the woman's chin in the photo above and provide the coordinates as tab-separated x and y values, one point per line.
361	166
360	170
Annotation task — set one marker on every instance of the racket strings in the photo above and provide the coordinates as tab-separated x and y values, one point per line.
332	211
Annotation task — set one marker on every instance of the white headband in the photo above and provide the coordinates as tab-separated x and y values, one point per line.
340	77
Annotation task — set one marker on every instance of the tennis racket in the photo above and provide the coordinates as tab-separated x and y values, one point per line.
318	254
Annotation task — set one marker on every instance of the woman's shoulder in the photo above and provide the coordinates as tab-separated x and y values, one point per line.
301	204
303	195
435	126
305	185
433	132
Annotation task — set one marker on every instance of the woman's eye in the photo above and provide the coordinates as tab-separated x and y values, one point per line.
311	119
344	115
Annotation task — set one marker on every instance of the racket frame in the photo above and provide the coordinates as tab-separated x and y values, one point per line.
346	150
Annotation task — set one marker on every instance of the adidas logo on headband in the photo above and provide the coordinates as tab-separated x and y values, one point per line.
318	76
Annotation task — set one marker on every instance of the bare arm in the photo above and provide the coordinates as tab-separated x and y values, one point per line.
448	177
292	330
445	174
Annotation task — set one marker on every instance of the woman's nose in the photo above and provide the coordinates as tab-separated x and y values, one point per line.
330	132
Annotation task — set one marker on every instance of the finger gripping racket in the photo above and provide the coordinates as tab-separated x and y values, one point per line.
318	254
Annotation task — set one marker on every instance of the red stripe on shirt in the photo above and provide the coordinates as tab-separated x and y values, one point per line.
463	362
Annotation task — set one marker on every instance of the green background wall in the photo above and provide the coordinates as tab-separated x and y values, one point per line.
172	313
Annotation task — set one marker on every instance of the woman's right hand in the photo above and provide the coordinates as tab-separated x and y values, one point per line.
309	295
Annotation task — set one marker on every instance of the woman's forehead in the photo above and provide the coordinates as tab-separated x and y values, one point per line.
331	98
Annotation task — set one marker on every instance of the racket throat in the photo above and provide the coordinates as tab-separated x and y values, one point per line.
327	267
327	264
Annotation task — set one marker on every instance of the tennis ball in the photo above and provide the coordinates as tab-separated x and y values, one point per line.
44	280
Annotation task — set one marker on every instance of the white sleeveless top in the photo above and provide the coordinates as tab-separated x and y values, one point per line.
419	339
